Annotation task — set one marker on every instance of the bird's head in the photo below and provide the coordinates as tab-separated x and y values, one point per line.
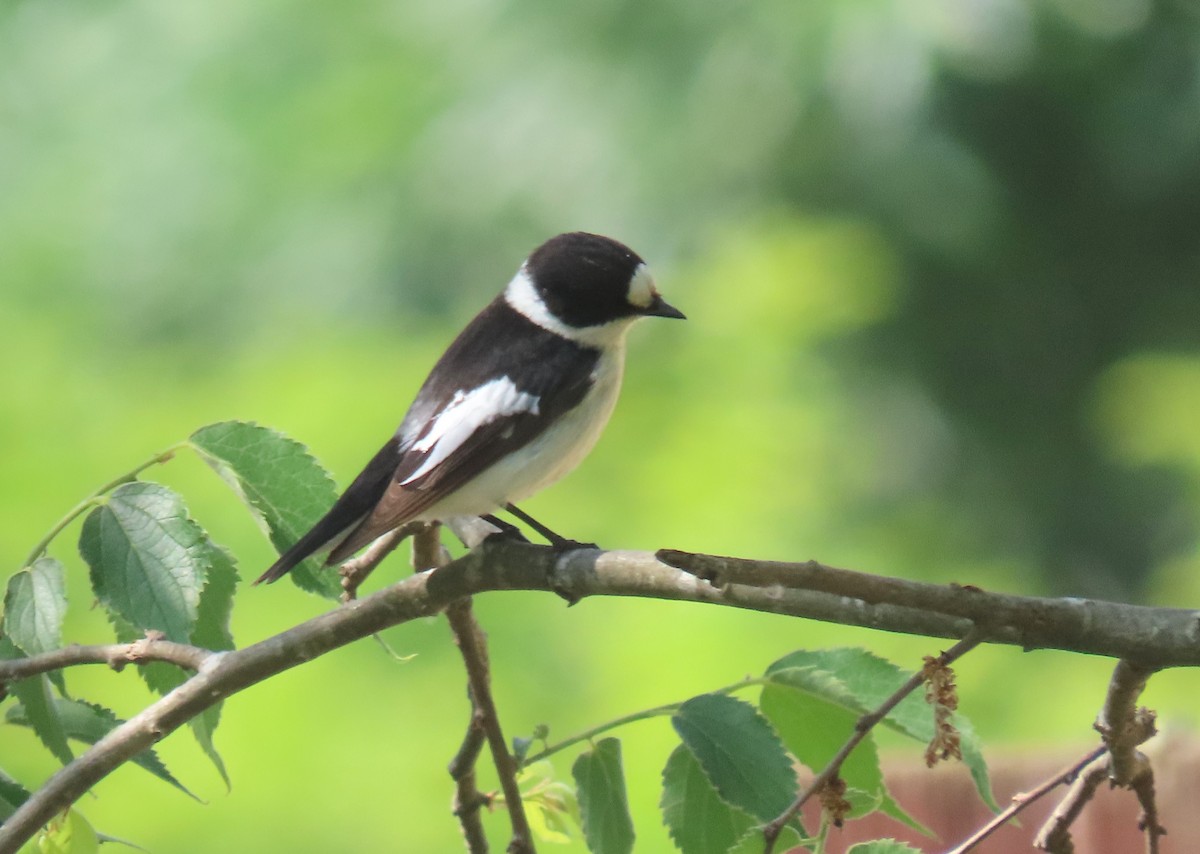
586	287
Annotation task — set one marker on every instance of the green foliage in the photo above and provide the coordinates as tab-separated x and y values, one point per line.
89	723
35	696
156	571
858	681
12	795
148	560
285	488
69	833
883	846
600	780
739	752
34	606
700	821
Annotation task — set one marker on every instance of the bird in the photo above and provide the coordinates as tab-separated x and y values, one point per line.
516	402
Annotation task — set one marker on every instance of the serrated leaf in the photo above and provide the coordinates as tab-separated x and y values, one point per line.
697	819
883	846
34	694
12	795
89	723
34	605
148	560
284	487
814	729
739	752
600	780
862	681
752	841
211	632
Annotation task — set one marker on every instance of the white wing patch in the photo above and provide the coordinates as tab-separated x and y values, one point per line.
466	412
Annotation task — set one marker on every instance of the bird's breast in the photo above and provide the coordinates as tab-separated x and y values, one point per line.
548	457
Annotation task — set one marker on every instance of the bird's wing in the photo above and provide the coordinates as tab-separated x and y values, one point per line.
442	442
351	508
467	436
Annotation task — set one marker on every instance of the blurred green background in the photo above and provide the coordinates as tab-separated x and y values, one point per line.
940	261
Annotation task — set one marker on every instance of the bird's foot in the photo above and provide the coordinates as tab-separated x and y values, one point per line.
557	542
505	531
563	544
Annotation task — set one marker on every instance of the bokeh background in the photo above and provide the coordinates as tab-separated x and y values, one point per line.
940	260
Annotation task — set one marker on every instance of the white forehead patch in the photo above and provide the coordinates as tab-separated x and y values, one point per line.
641	287
466	413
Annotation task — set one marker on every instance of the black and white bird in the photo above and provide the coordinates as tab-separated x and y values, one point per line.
516	402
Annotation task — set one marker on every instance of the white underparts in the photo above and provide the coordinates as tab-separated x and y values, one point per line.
466	413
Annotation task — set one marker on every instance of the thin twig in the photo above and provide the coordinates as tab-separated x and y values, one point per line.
468	800
472	644
95	498
355	571
861	728
1024	799
642	715
1055	835
115	655
1143	787
1123	727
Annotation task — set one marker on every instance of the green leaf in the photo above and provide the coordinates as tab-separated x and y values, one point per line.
814	730
739	752
89	723
148	560
882	846
34	605
553	812
284	487
12	795
862	681
607	825
67	833
211	632
752	841
697	819
35	696
550	804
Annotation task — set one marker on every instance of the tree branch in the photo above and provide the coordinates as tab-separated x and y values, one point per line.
115	655
1154	636
1163	637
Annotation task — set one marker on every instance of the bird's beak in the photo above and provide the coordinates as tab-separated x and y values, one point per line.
661	308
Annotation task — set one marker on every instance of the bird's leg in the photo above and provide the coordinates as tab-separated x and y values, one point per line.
505	530
557	542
